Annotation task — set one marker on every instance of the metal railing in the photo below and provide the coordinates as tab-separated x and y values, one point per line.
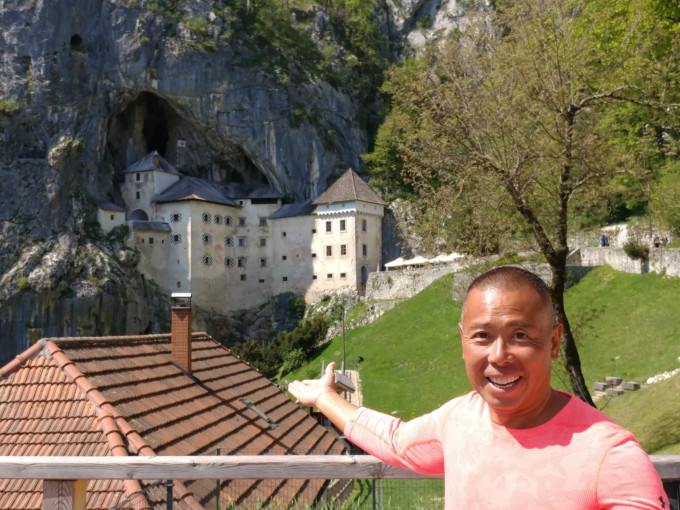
61	469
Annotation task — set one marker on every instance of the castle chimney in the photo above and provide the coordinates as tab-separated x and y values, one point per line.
156	159
181	330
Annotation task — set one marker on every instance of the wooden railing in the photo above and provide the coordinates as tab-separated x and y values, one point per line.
63	475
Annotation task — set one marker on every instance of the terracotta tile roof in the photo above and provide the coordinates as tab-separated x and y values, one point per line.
348	188
124	396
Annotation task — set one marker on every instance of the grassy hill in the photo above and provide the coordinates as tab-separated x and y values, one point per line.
626	325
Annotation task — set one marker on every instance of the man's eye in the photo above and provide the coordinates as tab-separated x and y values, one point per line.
520	336
480	335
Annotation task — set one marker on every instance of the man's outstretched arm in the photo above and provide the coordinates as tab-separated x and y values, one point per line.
320	393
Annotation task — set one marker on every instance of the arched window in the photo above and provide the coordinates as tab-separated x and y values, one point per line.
175	217
218	219
228	221
229	241
229	262
175	238
207	260
206	217
207	239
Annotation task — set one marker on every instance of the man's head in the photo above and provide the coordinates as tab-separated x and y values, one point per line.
509	341
507	278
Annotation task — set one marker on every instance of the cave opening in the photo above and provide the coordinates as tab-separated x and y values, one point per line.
155	129
150	122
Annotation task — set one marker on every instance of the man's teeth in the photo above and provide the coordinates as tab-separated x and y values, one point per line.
503	381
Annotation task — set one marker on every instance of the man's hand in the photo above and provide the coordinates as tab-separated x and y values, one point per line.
308	392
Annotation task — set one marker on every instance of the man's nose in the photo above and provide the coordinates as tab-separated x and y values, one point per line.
499	351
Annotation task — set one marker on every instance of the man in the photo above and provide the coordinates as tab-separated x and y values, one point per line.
514	442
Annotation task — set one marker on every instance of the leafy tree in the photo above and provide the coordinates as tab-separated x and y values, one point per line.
503	132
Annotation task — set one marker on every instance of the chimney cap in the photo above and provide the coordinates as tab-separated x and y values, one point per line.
181	295
181	299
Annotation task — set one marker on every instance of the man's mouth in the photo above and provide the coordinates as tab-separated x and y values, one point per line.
503	383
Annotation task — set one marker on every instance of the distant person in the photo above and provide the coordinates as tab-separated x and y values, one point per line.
604	241
656	241
513	442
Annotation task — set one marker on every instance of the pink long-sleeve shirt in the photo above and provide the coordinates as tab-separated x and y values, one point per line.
580	459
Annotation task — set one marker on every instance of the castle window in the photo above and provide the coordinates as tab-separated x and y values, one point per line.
229	241
206	217
175	238
179	285
138	177
364	250
241	262
137	195
328	227
263	222
229	262
263	241
343	225
284	257
313	231
243	278
329	276
175	217
218	219
112	217
313	255
228	221
150	240
363	225
285	279
343	275
241	241
241	222
207	260
207	239
263	262
283	234
329	251
343	249
261	280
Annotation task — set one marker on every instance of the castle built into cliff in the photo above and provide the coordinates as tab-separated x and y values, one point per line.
235	247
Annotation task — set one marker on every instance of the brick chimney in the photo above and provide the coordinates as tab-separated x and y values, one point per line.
181	330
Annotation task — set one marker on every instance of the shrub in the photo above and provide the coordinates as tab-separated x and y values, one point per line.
636	250
23	283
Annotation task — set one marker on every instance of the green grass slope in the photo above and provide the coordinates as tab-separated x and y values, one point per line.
626	325
412	354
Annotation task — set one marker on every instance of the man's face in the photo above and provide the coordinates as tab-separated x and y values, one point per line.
509	342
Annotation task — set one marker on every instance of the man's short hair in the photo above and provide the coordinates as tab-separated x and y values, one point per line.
510	278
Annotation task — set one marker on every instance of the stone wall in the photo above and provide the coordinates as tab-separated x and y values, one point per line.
404	283
661	260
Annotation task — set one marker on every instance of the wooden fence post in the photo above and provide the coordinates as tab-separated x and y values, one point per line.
64	494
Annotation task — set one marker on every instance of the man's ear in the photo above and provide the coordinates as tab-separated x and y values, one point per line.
556	342
460	330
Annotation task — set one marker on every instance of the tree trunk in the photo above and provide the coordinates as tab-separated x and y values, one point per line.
572	361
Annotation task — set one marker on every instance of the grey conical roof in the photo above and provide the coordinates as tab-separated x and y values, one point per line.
349	188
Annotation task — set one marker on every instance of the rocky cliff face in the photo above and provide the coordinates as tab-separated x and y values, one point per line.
89	86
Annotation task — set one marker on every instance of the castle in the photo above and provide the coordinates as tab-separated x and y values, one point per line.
234	247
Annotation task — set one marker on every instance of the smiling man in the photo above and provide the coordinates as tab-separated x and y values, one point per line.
514	442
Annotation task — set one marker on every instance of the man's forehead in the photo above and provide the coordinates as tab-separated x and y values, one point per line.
493	298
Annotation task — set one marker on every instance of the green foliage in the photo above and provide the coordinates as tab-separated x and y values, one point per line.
666	198
23	283
289	349
9	106
636	250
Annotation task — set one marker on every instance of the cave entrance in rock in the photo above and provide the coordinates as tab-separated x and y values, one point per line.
155	130
147	123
